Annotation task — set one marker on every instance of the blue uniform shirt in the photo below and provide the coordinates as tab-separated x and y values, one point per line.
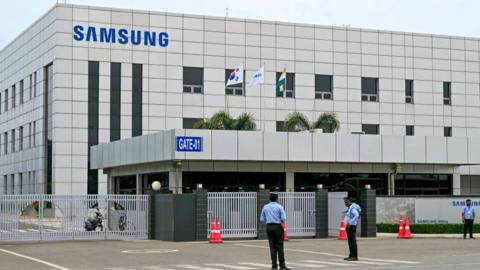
273	213
356	206
468	212
351	216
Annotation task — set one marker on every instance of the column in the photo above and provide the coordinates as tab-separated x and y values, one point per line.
321	213
263	196
368	201
456	184
138	185
175	181
290	181
201	211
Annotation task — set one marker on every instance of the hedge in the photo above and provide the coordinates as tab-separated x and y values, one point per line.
427	228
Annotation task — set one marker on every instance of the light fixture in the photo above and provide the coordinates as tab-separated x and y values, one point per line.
199	186
156	185
319	186
368	186
261	186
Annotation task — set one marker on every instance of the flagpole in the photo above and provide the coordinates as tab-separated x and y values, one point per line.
261	98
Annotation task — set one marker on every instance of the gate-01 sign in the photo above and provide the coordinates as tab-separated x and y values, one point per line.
189	144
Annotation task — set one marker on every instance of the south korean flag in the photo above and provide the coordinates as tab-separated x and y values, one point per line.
236	77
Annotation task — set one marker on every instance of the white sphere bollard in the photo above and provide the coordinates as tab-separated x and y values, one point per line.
156	185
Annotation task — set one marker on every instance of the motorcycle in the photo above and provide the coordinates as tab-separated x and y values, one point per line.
94	223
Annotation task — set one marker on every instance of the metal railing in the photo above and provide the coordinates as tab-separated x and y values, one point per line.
237	212
63	217
300	211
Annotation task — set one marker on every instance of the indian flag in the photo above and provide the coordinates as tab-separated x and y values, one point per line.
282	81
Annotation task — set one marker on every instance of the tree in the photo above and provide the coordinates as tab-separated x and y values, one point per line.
224	121
328	122
297	121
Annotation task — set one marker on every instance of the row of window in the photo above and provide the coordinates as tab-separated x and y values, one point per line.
32	92
193	83
24	186
23	142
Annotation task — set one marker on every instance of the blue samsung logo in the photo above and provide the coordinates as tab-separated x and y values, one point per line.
122	36
189	144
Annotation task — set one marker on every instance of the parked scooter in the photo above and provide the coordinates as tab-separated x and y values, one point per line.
94	223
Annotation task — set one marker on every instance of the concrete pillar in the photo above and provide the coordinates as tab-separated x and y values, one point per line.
290	181
138	184
201	214
391	184
175	181
321	213
368	201
263	196
456	184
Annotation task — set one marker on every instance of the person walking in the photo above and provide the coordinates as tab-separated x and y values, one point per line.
351	220
468	216
274	215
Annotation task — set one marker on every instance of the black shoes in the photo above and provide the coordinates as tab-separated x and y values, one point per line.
350	259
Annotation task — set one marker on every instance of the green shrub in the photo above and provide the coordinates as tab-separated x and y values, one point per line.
427	228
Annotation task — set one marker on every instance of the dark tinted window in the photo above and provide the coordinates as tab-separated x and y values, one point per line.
190	122
323	86
446	89
370	86
423	184
280	125
115	100
137	100
192	80
410	130
408	91
370	129
447	131
93	107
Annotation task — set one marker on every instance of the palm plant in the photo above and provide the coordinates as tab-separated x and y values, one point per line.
224	121
296	122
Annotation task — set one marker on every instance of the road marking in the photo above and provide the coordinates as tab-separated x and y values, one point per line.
231	266
332	255
257	264
150	251
34	259
308	265
369	263
328	263
32	230
189	266
19	230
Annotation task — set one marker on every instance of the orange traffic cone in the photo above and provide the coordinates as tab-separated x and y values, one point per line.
401	229
219	232
406	231
342	234
213	232
285	235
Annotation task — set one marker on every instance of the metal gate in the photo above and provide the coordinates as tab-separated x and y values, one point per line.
237	212
300	211
335	208
63	217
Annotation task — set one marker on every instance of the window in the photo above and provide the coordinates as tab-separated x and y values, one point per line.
370	129
447	131
12	183
34	134
6	100
280	125
12	139
21	92
137	100
234	89
14	94
93	118
5	184
20	183
408	91
30	87
34	179
447	94
0	103
29	135
20	139
35	84
115	93
410	130
188	123
193	80
5	143
323	86
290	87
369	89
423	184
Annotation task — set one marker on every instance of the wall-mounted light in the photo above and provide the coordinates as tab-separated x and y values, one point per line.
319	186
199	186
156	185
368	186
261	186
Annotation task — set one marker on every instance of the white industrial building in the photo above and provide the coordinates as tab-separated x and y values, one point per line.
80	76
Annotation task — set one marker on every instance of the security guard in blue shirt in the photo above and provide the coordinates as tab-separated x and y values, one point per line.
273	215
351	220
468	215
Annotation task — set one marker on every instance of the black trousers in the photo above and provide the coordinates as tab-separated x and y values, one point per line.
352	241
275	240
468	225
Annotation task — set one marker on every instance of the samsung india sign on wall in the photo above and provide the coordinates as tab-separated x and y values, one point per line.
120	36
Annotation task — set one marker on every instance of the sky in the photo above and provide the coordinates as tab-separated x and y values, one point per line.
448	17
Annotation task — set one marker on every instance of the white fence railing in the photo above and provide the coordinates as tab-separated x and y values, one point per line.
300	211
63	217
237	212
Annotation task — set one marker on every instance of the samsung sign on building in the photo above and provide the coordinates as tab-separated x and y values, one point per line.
120	36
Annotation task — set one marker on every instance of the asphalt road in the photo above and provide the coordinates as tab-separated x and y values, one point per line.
376	254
